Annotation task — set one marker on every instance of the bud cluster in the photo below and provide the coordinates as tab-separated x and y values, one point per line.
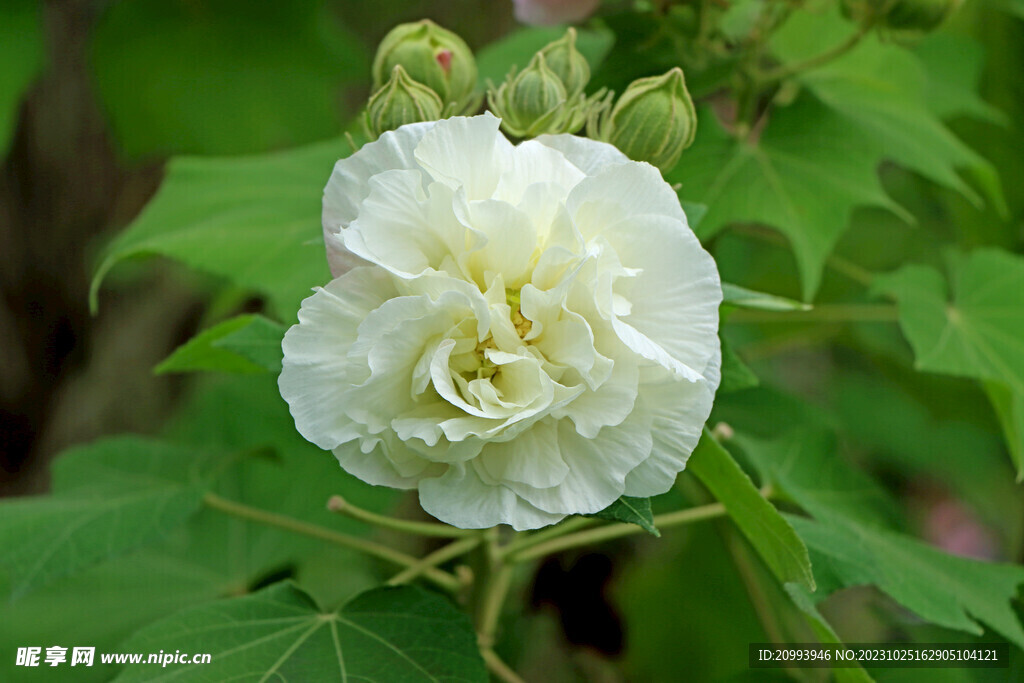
421	72
547	97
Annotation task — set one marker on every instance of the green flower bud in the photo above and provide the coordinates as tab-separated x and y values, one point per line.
431	55
567	63
653	121
918	15
531	102
402	100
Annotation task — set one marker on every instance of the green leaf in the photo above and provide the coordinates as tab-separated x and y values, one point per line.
246	344
196	564
1009	407
213	555
880	91
741	297
259	341
803	465
21	54
222	76
496	59
850	545
951	591
976	329
825	634
769	533
252	220
383	635
632	511
736	376
109	497
954	64
119	597
245	413
817	159
803	177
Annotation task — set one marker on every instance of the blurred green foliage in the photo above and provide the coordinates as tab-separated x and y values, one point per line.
222	76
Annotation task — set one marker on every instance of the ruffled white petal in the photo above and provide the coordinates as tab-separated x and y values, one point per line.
589	156
532	458
620	191
672	267
465	152
461	498
597	468
679	411
510	242
316	377
393	229
349	184
533	162
375	467
609	404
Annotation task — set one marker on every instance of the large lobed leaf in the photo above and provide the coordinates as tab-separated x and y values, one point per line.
972	328
816	160
850	543
885	97
802	465
211	555
109	497
804	177
944	589
253	220
381	636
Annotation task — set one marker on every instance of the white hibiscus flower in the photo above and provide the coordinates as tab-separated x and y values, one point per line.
520	332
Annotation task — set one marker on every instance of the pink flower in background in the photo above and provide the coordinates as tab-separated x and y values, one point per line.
547	12
955	528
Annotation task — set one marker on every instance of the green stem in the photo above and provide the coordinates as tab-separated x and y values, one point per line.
822	313
527	541
498	667
758	599
851	270
490	606
495	582
452	550
342	506
611	531
242	511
